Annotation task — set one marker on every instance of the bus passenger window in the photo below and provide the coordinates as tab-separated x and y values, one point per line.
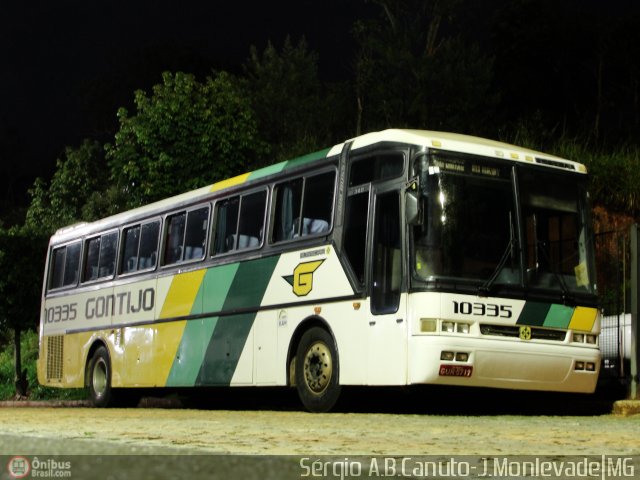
130	254
251	223
288	199
196	234
303	207
140	247
148	253
100	257
108	249
317	204
57	266
65	264
92	258
72	264
226	225
175	238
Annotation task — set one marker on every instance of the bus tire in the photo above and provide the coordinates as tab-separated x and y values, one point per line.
317	370
99	378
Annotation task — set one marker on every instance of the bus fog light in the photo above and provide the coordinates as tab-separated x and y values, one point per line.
579	366
462	357
448	327
578	337
590	367
591	339
462	327
428	325
448	356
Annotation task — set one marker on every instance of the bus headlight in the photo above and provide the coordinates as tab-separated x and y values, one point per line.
428	325
462	327
448	327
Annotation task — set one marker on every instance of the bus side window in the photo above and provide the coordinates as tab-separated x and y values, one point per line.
148	252
196	234
140	247
226	225
174	238
65	266
108	249
317	204
288	198
251	222
303	206
100	257
72	264
91	259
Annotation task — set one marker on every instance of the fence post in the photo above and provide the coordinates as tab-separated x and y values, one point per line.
635	307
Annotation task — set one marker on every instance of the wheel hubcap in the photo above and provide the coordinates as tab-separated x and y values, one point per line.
318	367
99	377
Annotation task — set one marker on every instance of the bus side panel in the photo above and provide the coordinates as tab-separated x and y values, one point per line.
218	350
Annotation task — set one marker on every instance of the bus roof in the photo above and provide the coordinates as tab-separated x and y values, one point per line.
456	142
441	141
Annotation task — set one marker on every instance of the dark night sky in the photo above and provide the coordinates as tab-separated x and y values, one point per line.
67	65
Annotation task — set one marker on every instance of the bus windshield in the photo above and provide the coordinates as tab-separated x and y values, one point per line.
470	232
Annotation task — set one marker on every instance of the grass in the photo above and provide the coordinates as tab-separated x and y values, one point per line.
29	345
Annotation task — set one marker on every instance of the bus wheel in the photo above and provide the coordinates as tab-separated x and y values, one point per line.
99	380
317	370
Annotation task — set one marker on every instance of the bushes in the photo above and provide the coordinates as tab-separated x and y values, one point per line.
29	342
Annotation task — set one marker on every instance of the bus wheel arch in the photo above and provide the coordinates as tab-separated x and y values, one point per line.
313	365
98	374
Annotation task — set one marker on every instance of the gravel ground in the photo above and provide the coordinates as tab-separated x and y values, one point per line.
546	425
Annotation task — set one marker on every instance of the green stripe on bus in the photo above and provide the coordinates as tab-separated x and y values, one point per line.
295	162
559	316
534	314
310	157
197	333
231	332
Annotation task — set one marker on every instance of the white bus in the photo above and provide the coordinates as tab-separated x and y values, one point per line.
398	257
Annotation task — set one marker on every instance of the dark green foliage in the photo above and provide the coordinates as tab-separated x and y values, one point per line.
80	178
295	111
186	134
29	348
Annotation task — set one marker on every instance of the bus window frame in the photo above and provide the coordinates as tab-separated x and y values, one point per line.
53	248
214	221
121	258
161	265
83	259
304	176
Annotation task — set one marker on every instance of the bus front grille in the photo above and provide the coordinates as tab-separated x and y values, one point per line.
55	350
514	331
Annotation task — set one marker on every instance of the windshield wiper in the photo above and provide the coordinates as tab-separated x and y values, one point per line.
566	297
485	288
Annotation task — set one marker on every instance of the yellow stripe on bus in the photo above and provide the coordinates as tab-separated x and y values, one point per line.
583	319
182	293
231	182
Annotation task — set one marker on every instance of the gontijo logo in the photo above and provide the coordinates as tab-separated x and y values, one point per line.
302	278
18	467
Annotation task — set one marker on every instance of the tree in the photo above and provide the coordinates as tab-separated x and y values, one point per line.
22	256
184	135
73	194
288	98
411	71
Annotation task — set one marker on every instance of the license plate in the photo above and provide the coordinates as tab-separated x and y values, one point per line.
456	370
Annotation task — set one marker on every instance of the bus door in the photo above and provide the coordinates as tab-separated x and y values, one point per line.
387	345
